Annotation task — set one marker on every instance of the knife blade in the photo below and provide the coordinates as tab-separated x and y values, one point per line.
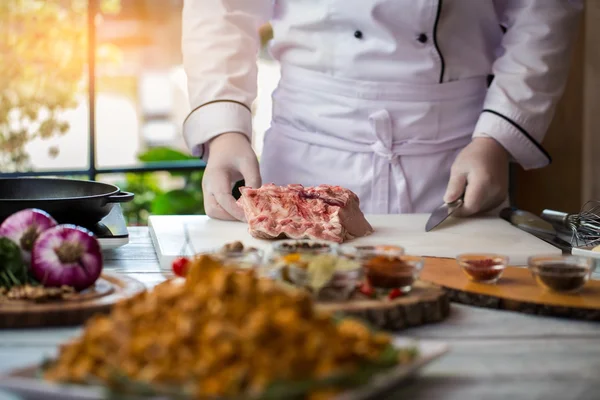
441	213
536	226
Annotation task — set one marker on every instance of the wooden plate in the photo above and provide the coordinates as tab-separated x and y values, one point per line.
515	291
109	289
424	304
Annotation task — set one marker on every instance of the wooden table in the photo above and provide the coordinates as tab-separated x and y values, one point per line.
494	354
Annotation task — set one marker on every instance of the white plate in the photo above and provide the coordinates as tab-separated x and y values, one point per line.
23	382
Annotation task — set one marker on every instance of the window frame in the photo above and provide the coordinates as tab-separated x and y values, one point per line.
93	170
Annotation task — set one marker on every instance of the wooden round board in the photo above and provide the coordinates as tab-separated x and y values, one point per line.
424	304
515	291
109	289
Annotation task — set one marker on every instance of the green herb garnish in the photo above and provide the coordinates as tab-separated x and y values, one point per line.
13	271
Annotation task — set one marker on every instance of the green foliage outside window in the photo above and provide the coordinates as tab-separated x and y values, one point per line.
150	198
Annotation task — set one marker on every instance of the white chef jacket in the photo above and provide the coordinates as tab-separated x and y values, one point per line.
406	47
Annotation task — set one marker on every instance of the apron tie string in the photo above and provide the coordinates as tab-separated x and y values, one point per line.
381	125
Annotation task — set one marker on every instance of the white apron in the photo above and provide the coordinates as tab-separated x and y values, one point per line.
391	143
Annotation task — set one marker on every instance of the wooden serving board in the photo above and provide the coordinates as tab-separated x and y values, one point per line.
515	291
424	304
108	290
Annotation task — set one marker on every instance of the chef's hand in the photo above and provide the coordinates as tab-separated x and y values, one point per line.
482	167
231	158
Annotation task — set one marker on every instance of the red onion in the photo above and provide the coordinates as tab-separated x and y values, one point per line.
24	227
67	255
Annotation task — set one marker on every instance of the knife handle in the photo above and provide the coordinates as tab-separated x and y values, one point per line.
458	202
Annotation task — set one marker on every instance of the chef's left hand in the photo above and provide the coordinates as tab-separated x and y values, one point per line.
482	167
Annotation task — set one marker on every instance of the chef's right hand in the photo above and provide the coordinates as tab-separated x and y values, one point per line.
230	159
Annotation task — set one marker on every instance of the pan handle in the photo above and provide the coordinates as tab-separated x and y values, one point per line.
121	197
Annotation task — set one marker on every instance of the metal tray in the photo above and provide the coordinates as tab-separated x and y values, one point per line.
25	383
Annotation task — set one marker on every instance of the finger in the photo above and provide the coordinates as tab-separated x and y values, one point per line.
455	188
251	173
494	200
229	204
221	187
475	196
214	210
218	189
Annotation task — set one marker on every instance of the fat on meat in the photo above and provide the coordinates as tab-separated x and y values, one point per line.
323	212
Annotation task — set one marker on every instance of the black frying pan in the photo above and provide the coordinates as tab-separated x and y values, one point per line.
67	200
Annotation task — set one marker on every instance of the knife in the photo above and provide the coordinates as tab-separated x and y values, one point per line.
536	226
441	213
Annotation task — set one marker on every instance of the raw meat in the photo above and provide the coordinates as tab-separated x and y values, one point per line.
322	212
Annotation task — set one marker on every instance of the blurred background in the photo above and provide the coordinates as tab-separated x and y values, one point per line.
95	89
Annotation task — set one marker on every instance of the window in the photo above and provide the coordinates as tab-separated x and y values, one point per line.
95	89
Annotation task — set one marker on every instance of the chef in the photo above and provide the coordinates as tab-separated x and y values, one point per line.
408	103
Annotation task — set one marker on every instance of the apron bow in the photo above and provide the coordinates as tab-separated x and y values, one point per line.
381	150
381	124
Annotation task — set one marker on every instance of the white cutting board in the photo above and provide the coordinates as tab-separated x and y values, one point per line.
485	234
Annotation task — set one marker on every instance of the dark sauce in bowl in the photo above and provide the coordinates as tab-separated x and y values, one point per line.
564	273
561	277
304	246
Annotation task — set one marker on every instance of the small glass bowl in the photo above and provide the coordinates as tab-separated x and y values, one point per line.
303	246
340	285
369	251
561	273
242	260
235	247
483	268
400	272
387	267
339	279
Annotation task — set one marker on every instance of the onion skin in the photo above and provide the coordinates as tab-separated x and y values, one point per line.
24	227
67	255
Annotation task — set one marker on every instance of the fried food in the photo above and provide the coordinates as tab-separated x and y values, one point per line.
221	332
38	294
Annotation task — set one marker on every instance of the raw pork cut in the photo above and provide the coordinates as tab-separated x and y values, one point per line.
322	212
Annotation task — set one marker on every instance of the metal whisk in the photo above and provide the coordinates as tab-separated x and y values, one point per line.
585	226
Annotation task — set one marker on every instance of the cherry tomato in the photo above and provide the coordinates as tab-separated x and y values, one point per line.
180	266
366	289
395	293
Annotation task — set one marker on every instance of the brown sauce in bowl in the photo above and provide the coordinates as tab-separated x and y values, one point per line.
389	272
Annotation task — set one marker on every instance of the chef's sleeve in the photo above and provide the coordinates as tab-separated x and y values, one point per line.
530	74
220	45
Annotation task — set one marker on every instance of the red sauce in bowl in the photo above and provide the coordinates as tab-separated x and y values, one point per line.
484	270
